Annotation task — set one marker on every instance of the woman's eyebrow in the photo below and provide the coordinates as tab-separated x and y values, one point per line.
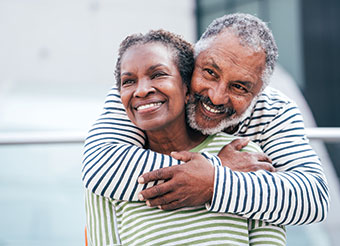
153	67
126	73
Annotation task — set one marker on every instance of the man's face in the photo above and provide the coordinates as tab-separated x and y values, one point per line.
225	82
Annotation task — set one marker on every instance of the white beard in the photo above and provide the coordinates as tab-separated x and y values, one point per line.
224	124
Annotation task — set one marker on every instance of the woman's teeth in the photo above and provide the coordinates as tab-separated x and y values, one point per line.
146	106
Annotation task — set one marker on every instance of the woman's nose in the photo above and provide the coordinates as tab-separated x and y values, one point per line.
144	88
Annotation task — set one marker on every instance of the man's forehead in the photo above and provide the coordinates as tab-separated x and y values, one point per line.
229	57
229	48
229	40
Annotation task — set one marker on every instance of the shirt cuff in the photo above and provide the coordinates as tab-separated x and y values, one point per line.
221	178
214	159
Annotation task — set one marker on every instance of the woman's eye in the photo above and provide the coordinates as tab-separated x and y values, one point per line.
157	75
127	81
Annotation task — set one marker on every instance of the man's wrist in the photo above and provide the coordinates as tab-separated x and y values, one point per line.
220	183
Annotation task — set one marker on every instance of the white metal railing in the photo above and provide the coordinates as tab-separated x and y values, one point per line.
42	137
326	134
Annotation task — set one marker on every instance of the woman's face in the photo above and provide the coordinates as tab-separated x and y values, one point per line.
152	90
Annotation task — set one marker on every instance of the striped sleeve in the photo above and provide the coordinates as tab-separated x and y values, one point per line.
294	195
264	233
113	157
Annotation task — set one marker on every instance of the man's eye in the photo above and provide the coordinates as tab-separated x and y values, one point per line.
240	88
210	72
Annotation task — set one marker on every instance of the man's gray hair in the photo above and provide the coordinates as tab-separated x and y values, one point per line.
251	31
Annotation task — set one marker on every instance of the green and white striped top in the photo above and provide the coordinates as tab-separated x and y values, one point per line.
113	222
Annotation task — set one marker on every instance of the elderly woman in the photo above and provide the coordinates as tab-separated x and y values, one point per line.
153	73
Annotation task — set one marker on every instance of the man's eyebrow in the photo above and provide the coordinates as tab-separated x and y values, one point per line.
216	67
212	63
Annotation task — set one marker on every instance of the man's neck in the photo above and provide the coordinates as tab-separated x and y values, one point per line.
232	129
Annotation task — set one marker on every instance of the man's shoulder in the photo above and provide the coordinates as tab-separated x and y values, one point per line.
114	92
113	101
270	105
272	100
274	96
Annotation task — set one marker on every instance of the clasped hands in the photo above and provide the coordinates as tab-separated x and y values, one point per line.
192	183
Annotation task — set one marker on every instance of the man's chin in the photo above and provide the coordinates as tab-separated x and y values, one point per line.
206	125
207	129
213	127
209	126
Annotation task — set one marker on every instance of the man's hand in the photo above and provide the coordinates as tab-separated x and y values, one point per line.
231	157
187	185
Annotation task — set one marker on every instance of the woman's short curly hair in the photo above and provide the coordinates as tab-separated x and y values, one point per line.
183	53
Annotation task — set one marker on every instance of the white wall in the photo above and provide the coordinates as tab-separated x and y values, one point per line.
57	55
56	66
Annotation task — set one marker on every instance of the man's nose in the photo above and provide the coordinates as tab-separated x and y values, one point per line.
218	95
144	88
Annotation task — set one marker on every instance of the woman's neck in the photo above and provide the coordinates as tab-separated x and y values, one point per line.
167	140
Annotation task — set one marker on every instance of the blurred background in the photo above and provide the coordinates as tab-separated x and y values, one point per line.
56	66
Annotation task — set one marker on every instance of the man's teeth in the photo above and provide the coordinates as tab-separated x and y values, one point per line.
145	106
212	110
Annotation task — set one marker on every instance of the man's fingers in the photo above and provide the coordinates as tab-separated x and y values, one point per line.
172	205
161	200
154	191
159	174
263	157
184	156
166	202
265	166
239	143
236	144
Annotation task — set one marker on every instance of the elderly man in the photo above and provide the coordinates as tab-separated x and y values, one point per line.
234	60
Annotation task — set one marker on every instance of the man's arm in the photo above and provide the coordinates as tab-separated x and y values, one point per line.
296	194
113	156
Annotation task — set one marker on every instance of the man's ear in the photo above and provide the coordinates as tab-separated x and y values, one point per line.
187	94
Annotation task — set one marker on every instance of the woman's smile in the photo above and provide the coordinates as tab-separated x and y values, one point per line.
152	89
148	106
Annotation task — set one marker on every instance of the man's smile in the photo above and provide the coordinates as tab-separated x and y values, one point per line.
212	110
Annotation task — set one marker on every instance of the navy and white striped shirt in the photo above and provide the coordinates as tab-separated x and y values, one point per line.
296	194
